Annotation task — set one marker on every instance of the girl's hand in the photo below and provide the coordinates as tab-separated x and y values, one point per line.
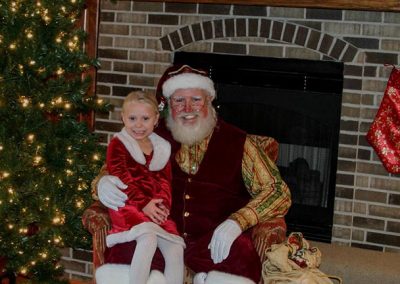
156	211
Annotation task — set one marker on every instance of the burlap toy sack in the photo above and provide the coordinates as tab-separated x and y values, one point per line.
294	262
302	276
384	132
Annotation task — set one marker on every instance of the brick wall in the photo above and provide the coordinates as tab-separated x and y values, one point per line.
137	41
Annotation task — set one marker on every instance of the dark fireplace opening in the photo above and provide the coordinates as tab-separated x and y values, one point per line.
297	102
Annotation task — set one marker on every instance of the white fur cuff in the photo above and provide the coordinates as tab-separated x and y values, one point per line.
112	273
119	274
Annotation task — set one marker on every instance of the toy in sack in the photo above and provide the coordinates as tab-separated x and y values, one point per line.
384	132
294	262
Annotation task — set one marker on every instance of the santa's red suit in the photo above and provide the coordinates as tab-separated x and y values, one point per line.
202	201
225	180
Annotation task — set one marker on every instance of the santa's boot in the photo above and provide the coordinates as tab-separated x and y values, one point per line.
200	278
217	277
156	277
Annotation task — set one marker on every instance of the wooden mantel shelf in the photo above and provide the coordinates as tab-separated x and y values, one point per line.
371	5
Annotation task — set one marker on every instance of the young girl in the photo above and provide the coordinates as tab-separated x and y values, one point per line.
140	158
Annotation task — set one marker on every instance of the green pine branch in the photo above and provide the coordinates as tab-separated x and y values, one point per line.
48	157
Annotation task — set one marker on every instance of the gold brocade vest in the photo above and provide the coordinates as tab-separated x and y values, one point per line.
201	201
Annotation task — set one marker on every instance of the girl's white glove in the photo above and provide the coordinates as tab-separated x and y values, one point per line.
224	235
110	192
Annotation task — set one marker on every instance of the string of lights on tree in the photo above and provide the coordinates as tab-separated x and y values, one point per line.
48	156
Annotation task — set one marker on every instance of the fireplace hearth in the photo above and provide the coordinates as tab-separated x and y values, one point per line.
297	102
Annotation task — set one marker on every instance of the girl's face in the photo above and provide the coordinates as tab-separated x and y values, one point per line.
139	119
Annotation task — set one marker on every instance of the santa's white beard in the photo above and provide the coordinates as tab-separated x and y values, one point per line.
192	134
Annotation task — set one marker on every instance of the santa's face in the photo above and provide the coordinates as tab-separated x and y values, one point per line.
191	117
188	105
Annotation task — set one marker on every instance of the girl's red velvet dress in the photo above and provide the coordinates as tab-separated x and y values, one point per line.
148	177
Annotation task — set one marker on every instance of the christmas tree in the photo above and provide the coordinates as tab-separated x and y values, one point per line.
48	154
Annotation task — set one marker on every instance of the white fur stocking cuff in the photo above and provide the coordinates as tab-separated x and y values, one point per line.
119	273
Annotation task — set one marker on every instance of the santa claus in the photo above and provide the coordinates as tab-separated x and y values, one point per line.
223	185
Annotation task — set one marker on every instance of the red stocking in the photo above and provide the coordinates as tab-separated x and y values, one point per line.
384	133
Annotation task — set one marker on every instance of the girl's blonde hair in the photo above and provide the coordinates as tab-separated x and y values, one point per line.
143	97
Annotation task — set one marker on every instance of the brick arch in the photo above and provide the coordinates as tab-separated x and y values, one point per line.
285	32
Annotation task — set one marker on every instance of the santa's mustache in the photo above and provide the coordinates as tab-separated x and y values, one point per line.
193	133
184	114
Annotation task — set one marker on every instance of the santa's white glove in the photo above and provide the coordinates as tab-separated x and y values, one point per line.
109	191
224	235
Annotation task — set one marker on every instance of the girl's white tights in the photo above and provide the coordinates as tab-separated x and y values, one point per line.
146	246
173	256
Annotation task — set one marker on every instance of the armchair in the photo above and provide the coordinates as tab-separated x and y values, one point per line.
96	220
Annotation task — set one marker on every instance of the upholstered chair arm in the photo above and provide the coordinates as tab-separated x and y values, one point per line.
95	217
97	221
268	233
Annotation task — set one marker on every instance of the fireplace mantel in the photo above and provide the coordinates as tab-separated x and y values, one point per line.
371	5
92	13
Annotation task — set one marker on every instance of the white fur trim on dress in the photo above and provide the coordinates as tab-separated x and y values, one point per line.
161	149
188	81
217	277
140	229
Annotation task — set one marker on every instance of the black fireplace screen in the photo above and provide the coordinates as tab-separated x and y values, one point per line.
298	103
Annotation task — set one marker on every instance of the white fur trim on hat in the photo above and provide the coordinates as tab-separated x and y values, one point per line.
188	81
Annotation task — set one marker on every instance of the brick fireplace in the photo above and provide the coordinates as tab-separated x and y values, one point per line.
137	41
297	102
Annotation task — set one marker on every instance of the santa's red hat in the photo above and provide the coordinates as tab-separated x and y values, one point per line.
184	77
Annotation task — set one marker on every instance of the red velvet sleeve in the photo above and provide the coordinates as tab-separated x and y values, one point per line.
117	164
